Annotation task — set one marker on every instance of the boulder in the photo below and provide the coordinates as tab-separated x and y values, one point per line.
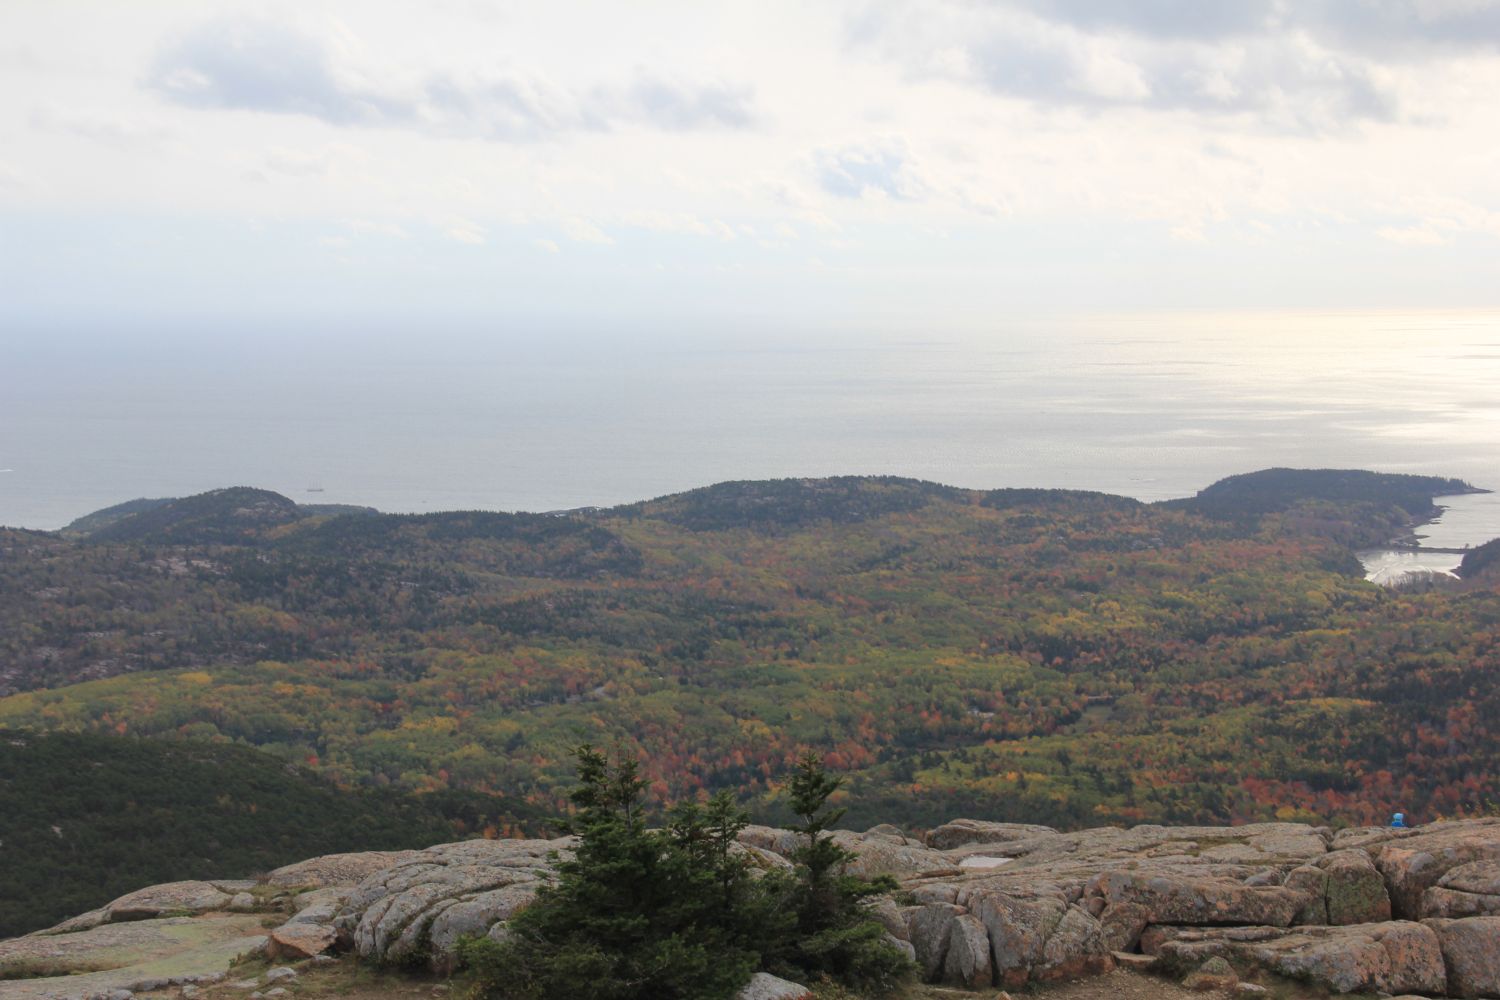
1471	890
1122	925
764	986
889	915
959	832
928	928
1214	974
1393	957
1471	949
165	900
296	940
1075	948
320	906
1312	882
1018	928
1185	899
1354	892
967	963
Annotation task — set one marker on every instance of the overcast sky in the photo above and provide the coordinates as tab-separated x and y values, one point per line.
692	166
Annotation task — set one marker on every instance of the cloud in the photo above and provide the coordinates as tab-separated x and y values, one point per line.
879	171
257	65
110	130
1401	27
1294	67
1378	26
683	106
1197	19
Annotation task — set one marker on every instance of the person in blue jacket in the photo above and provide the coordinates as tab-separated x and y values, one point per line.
1399	821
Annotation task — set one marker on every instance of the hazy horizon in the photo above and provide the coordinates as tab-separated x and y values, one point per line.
1151	407
485	253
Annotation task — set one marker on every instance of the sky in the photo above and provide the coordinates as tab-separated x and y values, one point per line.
247	168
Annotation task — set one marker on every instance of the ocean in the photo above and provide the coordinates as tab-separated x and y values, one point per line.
1145	406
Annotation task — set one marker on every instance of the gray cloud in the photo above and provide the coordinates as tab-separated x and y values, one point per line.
1396	27
1198	19
1304	66
256	65
1378	26
253	65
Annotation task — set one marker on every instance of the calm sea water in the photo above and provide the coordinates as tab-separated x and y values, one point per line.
1151	407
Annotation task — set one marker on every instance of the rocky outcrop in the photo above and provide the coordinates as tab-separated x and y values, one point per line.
983	905
133	955
417	910
1200	901
1416	862
880	851
336	869
1392	957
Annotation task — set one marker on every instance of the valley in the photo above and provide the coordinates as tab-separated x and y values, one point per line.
1065	658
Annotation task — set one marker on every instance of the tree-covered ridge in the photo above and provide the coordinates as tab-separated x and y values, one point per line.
1483	562
237	515
781	505
88	524
1350	506
1057	657
89	817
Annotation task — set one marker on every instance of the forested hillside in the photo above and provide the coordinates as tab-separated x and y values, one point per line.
88	817
1047	656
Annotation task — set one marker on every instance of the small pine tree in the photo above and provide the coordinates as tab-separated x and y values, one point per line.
835	936
676	914
635	913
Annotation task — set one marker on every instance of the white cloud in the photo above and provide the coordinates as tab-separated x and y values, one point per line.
279	67
881	169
